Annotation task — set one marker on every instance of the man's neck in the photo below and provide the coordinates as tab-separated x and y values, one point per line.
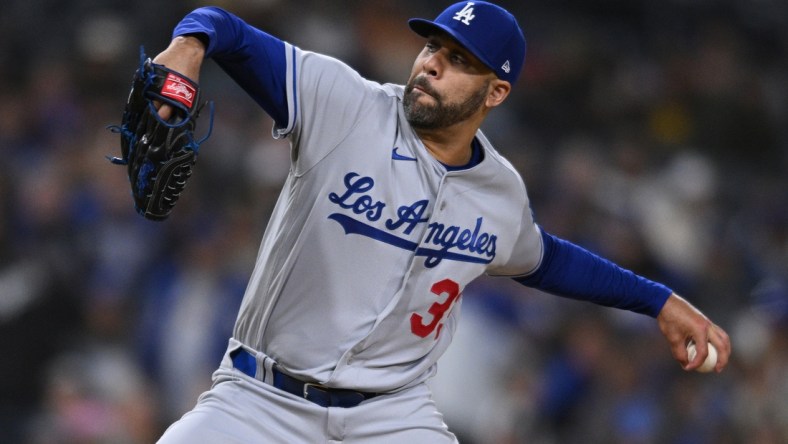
450	146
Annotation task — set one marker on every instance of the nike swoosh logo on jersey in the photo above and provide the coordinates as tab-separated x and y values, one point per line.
397	156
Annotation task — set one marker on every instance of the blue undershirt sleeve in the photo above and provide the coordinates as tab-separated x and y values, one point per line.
251	57
571	271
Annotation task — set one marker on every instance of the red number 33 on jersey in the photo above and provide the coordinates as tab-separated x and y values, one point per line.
438	310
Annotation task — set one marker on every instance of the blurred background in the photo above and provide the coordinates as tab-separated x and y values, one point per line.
653	133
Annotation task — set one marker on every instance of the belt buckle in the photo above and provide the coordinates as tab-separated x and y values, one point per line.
316	386
326	397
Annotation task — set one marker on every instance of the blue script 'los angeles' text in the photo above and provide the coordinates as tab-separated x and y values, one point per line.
448	238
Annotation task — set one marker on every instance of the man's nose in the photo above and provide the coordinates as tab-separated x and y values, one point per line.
433	65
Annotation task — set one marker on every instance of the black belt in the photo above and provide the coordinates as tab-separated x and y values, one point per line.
322	396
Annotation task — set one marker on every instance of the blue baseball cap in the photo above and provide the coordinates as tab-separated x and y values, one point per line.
488	31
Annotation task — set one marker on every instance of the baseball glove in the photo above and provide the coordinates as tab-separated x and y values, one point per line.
159	154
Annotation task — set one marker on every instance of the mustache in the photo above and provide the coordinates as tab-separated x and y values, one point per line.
424	85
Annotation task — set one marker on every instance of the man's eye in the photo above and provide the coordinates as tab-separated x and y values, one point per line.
458	59
431	47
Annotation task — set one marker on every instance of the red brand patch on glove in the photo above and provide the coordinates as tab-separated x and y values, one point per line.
178	89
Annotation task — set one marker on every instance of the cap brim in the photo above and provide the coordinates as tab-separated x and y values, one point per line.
426	28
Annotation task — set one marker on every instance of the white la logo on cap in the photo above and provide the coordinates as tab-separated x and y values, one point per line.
466	14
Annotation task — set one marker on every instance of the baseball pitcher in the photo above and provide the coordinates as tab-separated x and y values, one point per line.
395	201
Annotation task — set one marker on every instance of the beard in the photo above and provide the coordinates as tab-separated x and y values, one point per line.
441	114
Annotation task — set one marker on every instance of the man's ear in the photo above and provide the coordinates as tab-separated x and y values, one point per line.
499	91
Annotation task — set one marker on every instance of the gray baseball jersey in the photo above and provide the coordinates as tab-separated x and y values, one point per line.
359	277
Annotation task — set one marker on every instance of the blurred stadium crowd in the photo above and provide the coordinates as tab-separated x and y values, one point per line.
653	133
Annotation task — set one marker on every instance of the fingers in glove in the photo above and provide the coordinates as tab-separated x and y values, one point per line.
166	112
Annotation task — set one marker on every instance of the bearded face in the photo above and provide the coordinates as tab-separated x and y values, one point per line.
440	112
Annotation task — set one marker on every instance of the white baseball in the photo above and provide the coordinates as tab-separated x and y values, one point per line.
711	359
